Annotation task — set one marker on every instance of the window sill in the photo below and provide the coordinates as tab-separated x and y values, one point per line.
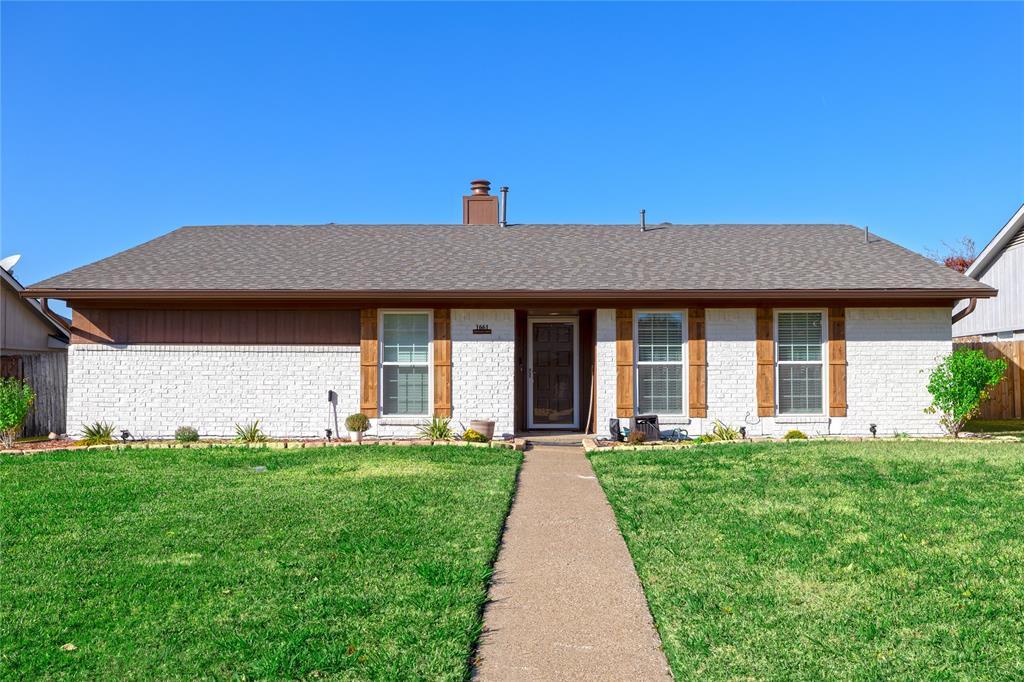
673	419
402	421
802	419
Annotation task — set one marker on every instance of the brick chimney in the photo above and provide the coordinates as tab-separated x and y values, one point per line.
480	208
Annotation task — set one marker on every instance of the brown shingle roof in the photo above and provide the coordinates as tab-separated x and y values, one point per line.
518	258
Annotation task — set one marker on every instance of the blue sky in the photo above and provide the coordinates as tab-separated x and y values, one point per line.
122	121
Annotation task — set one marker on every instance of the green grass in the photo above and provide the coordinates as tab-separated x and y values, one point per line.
829	560
1002	427
354	563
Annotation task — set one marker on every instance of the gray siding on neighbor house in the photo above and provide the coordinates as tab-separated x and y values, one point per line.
23	328
1005	312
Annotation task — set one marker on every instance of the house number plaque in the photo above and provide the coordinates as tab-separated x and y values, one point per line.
482	329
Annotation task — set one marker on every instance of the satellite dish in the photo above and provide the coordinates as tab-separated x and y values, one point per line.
9	262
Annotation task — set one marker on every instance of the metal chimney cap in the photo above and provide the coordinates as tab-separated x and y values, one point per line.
482	187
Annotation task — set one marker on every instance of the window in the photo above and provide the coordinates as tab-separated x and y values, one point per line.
405	363
800	342
659	362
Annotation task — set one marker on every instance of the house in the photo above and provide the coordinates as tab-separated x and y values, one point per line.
34	348
1000	265
823	328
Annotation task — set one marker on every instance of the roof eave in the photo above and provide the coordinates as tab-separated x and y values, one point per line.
995	247
523	294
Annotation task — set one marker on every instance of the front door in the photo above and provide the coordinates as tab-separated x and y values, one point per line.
551	375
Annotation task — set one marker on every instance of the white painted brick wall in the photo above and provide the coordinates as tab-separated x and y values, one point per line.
151	390
890	352
605	332
483	375
732	368
483	368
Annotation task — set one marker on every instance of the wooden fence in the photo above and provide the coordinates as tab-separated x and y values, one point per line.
47	374
1007	399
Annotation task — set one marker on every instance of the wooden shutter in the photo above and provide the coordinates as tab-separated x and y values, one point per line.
837	362
442	362
765	363
696	342
624	363
368	356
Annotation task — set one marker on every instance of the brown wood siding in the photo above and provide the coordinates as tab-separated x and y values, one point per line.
442	362
237	327
697	343
624	362
588	386
520	377
837	362
368	355
765	363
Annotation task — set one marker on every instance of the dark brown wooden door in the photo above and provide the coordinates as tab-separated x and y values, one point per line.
553	374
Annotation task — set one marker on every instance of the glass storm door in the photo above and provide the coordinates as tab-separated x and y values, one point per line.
552	374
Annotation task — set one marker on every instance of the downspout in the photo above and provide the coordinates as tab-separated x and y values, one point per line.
966	311
44	305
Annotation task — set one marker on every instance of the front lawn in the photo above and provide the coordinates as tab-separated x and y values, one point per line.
367	562
829	560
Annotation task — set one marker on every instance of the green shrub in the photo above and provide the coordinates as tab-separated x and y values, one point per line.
473	436
636	437
721	431
250	433
16	398
357	423
438	428
186	434
959	384
795	434
97	433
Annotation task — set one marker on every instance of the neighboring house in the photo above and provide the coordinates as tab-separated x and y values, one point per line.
35	348
771	327
1000	265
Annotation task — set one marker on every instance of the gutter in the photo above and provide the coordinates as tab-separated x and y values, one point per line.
522	294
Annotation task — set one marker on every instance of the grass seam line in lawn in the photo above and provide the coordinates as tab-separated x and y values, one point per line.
474	650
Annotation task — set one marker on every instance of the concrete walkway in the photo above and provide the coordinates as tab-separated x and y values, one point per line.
565	603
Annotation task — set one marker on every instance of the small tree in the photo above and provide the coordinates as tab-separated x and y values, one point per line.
959	384
957	256
16	397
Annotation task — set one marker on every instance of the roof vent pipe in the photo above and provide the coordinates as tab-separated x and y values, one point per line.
867	235
643	220
504	207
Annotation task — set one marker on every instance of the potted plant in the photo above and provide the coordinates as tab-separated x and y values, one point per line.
484	427
356	424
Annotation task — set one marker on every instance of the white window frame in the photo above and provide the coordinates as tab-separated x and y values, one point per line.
429	364
684	362
823	362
